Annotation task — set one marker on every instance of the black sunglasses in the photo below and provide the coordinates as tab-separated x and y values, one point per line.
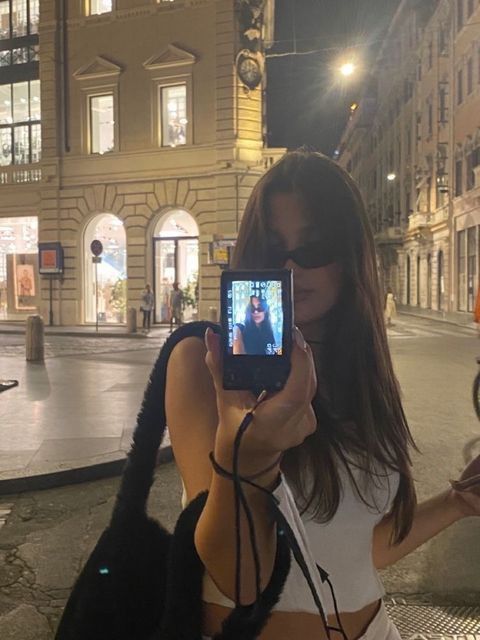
309	256
260	308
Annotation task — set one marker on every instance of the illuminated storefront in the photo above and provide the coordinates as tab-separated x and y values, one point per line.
176	260
105	283
19	283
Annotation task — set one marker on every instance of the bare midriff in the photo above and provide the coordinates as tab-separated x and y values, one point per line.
286	625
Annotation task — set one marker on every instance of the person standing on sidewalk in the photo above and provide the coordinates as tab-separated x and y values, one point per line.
176	299
390	307
147	307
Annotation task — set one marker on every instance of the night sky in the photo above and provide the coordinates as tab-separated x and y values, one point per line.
307	101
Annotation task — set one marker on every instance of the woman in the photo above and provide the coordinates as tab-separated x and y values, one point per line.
338	422
390	307
255	336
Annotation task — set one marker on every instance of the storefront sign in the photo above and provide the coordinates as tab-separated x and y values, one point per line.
50	258
221	251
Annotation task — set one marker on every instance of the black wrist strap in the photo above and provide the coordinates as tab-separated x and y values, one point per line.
248	479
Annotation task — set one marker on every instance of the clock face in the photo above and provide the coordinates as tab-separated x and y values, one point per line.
249	71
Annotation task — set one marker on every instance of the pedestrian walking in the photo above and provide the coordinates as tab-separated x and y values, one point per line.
390	307
175	305
146	307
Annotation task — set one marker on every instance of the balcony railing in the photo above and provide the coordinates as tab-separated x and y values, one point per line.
20	174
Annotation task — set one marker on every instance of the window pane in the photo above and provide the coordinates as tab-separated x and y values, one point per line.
20	102
33	53
20	56
36	142
5	58
5	104
5	146
174	115
4	20
34	15
21	145
19	18
102	124
100	6
34	99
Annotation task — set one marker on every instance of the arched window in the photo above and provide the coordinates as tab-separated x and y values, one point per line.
175	260
105	282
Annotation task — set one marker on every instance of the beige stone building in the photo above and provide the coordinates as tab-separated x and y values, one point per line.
129	122
413	143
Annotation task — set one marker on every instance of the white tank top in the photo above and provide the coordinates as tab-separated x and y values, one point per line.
342	546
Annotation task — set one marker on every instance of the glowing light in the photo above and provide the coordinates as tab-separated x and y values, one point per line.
347	69
391	177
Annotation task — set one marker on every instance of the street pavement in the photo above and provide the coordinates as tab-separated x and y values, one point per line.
74	413
45	536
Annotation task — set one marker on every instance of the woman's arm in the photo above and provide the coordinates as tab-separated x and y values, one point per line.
431	517
192	420
202	417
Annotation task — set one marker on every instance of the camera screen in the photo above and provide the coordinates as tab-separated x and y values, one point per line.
255	317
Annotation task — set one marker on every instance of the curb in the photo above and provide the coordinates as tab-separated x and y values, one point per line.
77	334
73	476
467	325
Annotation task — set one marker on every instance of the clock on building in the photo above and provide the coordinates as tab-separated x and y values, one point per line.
249	68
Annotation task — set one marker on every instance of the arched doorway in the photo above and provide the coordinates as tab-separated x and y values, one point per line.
175	256
440	280
429	281
408	279
105	283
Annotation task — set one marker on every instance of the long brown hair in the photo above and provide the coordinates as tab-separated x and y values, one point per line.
363	419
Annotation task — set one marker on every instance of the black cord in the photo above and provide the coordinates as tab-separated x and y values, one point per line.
240	499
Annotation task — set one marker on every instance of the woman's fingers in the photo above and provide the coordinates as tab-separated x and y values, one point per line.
301	384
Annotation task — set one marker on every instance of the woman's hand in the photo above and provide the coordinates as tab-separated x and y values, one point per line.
465	497
281	421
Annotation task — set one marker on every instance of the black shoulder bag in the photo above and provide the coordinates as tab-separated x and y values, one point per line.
142	582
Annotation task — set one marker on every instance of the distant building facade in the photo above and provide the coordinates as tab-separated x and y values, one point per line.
413	145
133	122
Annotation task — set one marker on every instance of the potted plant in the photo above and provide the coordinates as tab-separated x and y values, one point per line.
118	298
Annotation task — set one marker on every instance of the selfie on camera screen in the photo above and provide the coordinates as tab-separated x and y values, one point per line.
255	318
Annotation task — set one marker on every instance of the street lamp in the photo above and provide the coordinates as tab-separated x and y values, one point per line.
347	69
391	176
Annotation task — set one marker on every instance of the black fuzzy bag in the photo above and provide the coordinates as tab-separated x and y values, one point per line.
142	582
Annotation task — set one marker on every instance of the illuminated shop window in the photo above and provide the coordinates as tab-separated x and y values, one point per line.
102	124
19	283
105	283
95	7
173	111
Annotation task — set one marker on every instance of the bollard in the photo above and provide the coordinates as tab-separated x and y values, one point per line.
212	314
34	339
132	320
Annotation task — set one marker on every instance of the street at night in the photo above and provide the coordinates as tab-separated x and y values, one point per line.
47	535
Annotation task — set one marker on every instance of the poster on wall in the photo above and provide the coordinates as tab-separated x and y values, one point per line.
50	258
22	283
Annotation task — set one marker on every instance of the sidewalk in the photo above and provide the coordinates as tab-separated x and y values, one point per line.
458	318
71	418
104	330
